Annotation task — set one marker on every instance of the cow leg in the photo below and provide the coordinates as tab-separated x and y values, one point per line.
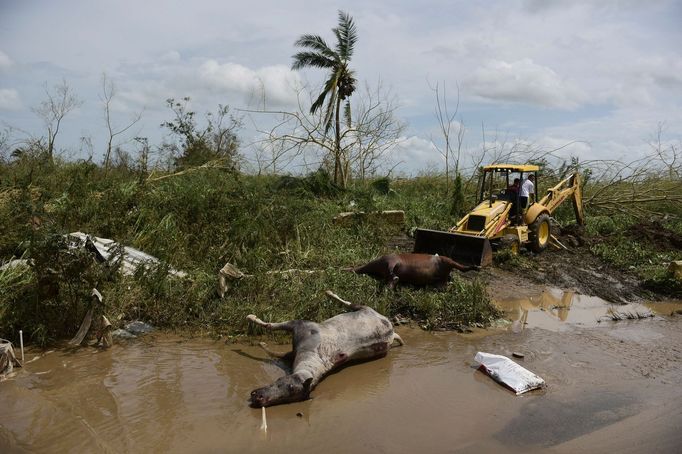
393	283
393	276
274	354
397	338
465	268
285	326
334	297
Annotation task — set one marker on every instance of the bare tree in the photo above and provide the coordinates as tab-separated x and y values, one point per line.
361	148
294	134
445	123
5	135
52	111
666	152
375	132
272	156
108	93
86	147
143	161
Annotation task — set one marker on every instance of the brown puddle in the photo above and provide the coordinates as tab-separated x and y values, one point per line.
666	307
558	310
166	394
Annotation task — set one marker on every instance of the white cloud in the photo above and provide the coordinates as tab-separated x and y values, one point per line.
416	153
9	99
5	61
622	134
171	56
543	6
275	83
525	82
146	93
563	148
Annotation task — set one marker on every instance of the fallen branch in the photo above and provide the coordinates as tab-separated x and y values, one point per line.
209	165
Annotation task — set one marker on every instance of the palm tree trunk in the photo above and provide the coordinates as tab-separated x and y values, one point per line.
338	178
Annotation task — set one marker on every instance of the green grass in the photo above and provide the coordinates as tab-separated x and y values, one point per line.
196	223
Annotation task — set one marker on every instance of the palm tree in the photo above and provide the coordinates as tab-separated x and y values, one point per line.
341	82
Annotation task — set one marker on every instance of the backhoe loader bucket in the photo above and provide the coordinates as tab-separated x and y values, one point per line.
465	249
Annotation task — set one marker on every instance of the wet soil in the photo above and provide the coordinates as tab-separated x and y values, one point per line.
657	235
610	386
573	268
577	269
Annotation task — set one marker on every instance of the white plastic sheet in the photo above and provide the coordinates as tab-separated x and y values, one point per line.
507	372
132	258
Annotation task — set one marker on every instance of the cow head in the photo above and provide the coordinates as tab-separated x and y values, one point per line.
290	388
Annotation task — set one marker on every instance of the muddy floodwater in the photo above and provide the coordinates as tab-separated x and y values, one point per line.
612	385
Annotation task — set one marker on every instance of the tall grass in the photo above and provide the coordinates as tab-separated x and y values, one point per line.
197	222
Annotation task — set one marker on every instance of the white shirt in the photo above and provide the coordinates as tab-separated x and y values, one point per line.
527	188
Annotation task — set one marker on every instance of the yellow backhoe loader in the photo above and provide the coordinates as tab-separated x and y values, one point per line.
499	220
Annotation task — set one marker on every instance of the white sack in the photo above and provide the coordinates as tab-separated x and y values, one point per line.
507	372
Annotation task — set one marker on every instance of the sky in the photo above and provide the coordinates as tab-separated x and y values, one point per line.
594	79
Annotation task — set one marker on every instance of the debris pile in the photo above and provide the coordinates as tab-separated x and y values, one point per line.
132	330
100	330
108	250
8	359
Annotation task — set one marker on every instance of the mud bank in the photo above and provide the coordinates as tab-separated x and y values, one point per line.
575	269
611	386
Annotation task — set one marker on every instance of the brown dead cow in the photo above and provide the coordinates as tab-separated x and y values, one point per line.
410	268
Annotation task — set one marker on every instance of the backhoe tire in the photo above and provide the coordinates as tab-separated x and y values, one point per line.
510	243
539	232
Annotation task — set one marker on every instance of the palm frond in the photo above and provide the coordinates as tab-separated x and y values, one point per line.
331	89
316	43
307	58
341	82
329	111
318	102
346	36
329	115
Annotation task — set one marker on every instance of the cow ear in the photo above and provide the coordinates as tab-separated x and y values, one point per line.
307	383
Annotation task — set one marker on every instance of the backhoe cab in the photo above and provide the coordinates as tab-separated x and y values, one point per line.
499	220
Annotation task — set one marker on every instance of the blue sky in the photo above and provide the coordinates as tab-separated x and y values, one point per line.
601	75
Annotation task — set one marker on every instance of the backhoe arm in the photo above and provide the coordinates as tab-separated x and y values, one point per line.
570	187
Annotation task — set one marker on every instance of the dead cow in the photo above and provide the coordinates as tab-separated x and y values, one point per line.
319	348
415	269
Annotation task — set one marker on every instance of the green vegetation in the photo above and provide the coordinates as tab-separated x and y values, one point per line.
643	248
196	222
